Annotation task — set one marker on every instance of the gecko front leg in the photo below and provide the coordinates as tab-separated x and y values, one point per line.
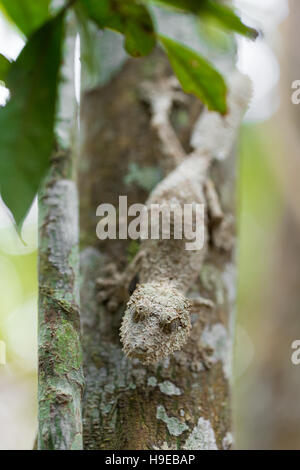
199	302
222	225
114	287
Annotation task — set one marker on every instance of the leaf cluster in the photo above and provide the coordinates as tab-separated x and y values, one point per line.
27	121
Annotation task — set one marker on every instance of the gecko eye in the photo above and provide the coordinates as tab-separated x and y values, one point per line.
139	314
169	327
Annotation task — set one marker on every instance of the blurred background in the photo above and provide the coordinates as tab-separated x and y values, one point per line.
266	383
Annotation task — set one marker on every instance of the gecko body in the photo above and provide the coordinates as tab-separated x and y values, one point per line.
157	317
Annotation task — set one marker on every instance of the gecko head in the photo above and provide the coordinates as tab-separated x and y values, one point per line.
156	322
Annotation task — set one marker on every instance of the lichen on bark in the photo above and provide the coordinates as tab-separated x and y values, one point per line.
60	355
61	380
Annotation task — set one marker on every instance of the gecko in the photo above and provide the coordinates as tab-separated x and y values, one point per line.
157	320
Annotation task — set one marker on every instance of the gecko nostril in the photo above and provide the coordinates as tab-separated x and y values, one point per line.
138	315
169	326
139	352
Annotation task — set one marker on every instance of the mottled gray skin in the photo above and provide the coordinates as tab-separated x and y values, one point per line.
169	260
157	318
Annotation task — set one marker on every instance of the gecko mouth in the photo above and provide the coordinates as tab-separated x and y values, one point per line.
145	356
138	353
142	355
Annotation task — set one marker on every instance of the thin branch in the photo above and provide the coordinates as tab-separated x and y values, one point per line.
60	358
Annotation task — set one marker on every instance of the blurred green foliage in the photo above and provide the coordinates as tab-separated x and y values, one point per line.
223	14
18	308
4	67
127	17
18	330
196	75
260	208
28	15
27	122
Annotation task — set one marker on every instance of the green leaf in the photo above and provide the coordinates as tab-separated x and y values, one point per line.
103	13
139	32
196	75
225	16
28	15
127	17
191	6
4	67
27	121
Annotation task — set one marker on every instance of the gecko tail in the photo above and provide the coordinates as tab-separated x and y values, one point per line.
215	134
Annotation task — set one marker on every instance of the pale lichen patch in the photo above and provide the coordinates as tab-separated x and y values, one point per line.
168	388
132	386
77	442
105	407
202	437
146	178
217	339
110	388
165	446
174	425
152	382
227	441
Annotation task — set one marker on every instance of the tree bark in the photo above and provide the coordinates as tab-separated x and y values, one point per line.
60	356
180	403
184	401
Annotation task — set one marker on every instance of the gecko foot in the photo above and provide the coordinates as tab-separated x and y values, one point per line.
206	353
199	302
111	288
223	234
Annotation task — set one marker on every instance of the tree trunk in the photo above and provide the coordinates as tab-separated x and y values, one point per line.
184	401
60	355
